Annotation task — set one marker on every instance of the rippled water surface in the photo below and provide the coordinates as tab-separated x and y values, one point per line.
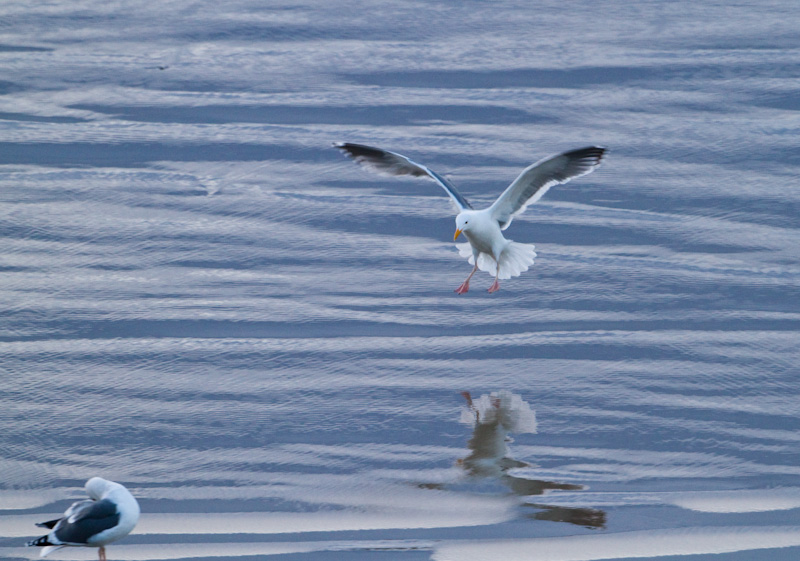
202	300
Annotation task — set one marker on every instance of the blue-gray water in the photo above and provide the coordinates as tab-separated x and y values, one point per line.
203	300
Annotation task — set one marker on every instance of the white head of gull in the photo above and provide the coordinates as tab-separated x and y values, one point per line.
488	250
110	514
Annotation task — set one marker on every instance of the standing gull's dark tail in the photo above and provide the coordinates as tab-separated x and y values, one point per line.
40	541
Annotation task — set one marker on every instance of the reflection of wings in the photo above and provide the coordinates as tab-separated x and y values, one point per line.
587	517
85	519
392	163
495	415
536	180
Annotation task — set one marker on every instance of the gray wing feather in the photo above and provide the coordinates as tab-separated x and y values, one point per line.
536	180
85	519
391	163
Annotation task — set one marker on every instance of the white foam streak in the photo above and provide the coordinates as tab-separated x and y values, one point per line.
330	521
662	543
722	502
148	552
269	523
17	500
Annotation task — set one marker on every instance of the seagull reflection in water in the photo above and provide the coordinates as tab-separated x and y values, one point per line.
493	417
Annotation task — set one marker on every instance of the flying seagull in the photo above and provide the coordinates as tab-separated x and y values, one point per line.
109	515
487	249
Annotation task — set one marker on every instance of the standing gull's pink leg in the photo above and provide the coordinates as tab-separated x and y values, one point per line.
465	285
102	553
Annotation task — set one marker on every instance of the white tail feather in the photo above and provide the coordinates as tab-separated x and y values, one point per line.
516	259
47	550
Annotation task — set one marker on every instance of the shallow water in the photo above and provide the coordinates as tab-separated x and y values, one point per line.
203	300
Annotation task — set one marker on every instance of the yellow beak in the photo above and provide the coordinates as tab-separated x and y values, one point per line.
458	233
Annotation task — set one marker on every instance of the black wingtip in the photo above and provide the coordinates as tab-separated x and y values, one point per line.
596	153
355	150
39	542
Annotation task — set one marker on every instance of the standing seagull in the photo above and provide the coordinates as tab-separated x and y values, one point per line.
109	515
483	228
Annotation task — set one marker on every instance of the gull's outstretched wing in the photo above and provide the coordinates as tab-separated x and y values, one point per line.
391	163
535	180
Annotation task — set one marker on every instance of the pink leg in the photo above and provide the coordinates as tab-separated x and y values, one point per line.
471	405
102	553
495	286
465	285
